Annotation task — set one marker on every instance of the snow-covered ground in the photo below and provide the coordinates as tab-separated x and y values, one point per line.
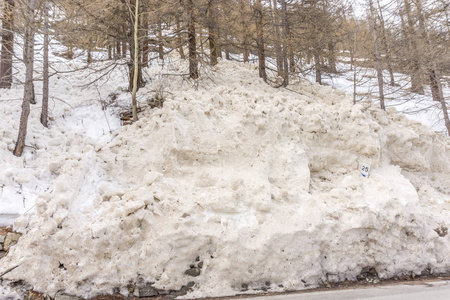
416	107
261	185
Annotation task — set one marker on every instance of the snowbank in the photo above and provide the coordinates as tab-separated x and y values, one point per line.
261	185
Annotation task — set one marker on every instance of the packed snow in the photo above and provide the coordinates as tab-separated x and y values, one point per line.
261	185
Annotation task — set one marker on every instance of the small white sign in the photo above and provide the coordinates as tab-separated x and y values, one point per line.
365	169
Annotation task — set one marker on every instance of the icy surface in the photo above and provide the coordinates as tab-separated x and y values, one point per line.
261	184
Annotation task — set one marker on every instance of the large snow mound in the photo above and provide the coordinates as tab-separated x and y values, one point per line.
262	185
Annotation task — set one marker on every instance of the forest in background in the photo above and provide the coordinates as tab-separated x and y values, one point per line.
284	38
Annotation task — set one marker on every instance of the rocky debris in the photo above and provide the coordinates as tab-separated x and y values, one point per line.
442	231
7	240
10	240
368	274
62	296
126	117
2	240
194	272
32	295
148	291
195	268
426	272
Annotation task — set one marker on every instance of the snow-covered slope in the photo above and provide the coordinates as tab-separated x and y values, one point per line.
260	185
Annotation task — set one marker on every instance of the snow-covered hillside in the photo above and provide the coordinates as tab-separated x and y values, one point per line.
239	183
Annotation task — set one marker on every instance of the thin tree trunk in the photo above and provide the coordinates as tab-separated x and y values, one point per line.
136	61
276	30
7	45
377	57
284	52
117	52
416	72
160	40
89	56
45	83
145	47
28	90
317	65
124	49
180	40
386	45
289	48
246	51
110	50
212	33
436	90
332	57
260	40
193	63
219	40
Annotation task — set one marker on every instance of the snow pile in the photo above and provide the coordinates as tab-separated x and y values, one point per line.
76	120
261	185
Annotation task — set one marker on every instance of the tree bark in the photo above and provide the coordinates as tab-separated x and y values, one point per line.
28	90
415	69
332	57
317	65
212	33
260	40
160	40
136	60
386	45
285	36
276	30
180	40
246	51
145	47
377	57
7	45
45	83
193	63
117	53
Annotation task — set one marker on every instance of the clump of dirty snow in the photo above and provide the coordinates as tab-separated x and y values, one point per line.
260	185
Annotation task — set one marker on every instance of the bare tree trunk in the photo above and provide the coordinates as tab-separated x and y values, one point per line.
7	44
212	33
276	30
260	40
317	65
377	57
289	48
227	48
332	57
136	61
45	88
160	40
436	90
180	40
246	51
219	41
28	90
110	51
117	52
284	52
416	72
386	45
89	56
193	63
145	47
